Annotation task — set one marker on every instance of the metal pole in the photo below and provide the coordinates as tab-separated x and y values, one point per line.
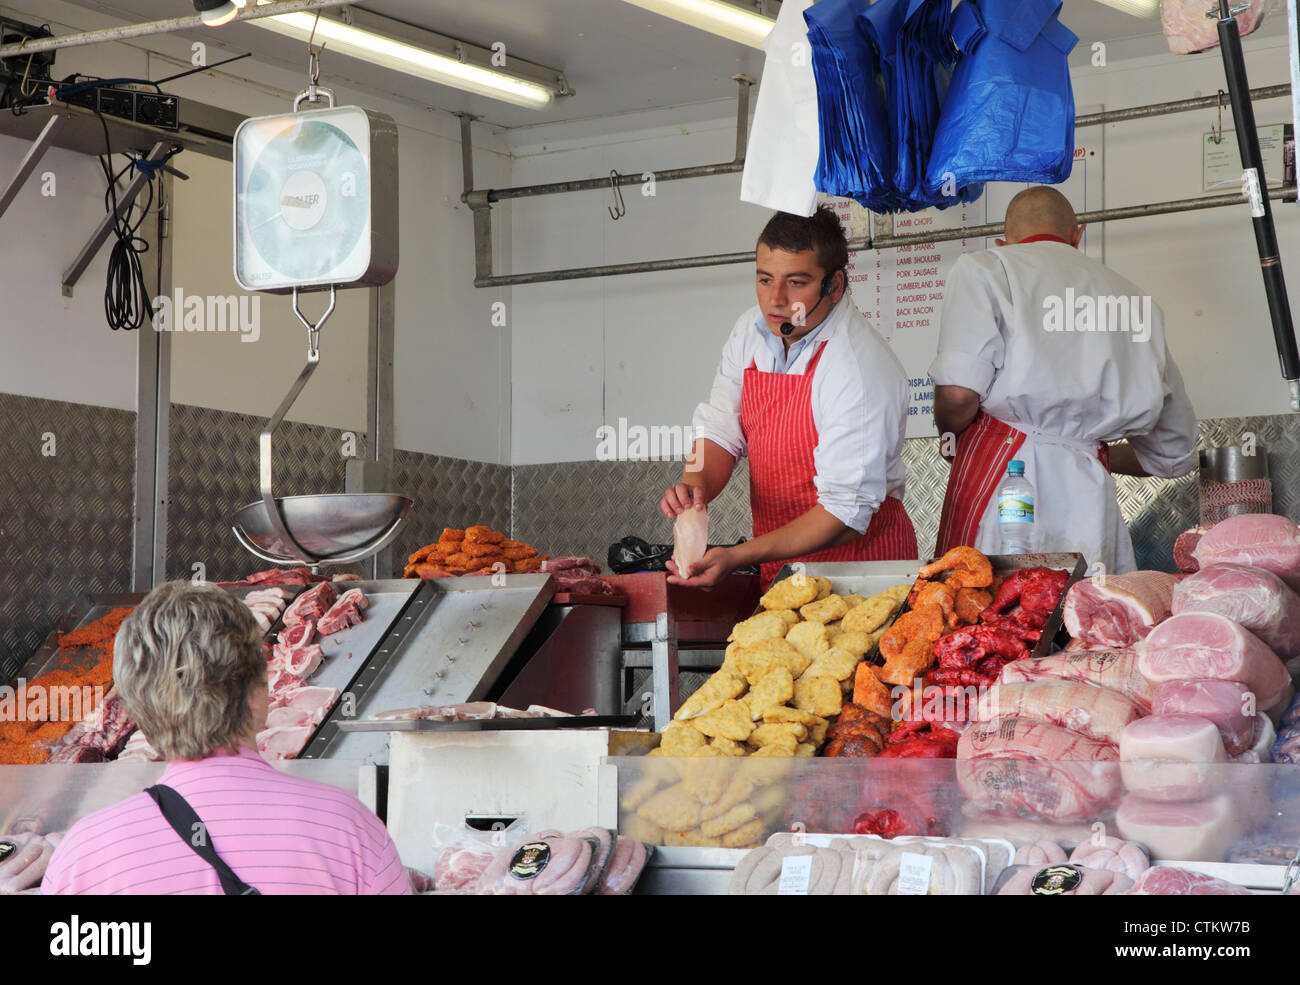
1177	106
731	167
252	12
1270	263
880	243
28	164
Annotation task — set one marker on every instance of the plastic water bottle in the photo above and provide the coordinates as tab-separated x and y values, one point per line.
1016	511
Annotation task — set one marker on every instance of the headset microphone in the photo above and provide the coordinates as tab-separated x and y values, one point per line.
788	327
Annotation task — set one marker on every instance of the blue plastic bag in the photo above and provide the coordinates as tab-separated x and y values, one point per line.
1009	112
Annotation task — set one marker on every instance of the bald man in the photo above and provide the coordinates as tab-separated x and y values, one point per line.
1047	356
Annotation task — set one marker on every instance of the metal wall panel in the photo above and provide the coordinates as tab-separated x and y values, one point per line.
65	523
214	472
448	492
65	519
583	507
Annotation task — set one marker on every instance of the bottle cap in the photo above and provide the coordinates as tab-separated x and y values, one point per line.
1015	467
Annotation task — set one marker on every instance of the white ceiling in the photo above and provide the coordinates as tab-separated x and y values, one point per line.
619	58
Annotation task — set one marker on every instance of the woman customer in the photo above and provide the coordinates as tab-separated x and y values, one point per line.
190	665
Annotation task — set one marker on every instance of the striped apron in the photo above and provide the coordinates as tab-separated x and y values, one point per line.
781	436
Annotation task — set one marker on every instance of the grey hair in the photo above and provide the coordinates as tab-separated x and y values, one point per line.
186	661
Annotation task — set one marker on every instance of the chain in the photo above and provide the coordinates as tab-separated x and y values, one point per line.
1292	873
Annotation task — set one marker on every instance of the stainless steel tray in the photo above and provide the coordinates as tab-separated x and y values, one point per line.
346	652
87	609
449	645
492	724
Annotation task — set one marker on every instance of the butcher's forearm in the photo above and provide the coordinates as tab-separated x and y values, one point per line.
954	409
1124	460
709	467
815	530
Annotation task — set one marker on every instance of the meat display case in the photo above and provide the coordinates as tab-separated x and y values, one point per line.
1255	808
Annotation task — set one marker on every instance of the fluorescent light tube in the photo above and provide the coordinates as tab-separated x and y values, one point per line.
1146	9
716	17
398	55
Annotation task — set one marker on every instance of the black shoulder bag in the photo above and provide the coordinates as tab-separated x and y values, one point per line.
180	815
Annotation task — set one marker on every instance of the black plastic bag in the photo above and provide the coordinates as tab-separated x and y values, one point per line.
632	554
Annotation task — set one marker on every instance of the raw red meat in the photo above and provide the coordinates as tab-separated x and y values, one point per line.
1117	610
343	613
1113	669
1187	29
458	868
1021	767
1255	599
1197	831
309	699
284	742
1203	646
571	563
1220	702
920	740
311	604
282	576
1185	548
1164	880
1261	540
1037	590
1092	711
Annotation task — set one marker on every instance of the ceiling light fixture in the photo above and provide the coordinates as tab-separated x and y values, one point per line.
1146	9
720	17
386	42
214	13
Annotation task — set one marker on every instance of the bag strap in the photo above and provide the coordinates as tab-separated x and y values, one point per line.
968	28
180	815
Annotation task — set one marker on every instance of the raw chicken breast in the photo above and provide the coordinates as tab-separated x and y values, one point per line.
690	539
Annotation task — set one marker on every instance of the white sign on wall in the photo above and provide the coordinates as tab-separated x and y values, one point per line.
900	290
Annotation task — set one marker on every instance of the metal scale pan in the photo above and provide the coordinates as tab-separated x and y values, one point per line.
300	250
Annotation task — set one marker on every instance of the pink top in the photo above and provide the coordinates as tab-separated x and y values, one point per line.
281	834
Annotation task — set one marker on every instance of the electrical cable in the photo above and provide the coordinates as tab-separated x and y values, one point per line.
126	296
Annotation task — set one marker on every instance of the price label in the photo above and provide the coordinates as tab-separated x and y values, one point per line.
914	874
796	874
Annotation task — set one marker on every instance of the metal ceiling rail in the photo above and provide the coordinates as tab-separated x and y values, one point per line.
128	31
480	200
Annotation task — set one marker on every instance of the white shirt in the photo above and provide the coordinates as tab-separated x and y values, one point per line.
784	141
998	337
859	405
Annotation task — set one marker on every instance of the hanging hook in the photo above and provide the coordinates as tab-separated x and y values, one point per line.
313	60
1218	133
618	197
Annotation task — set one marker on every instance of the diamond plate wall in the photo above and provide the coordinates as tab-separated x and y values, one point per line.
448	492
583	507
213	471
65	529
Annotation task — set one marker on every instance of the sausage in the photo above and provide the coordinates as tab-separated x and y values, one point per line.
740	876
1040	853
566	871
600	862
1117	855
627	862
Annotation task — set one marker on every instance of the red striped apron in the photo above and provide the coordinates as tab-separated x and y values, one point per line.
980	463
781	436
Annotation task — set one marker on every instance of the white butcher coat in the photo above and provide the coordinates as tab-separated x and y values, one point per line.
1066	389
784	141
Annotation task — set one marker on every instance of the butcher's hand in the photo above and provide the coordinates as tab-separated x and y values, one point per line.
680	498
717	563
